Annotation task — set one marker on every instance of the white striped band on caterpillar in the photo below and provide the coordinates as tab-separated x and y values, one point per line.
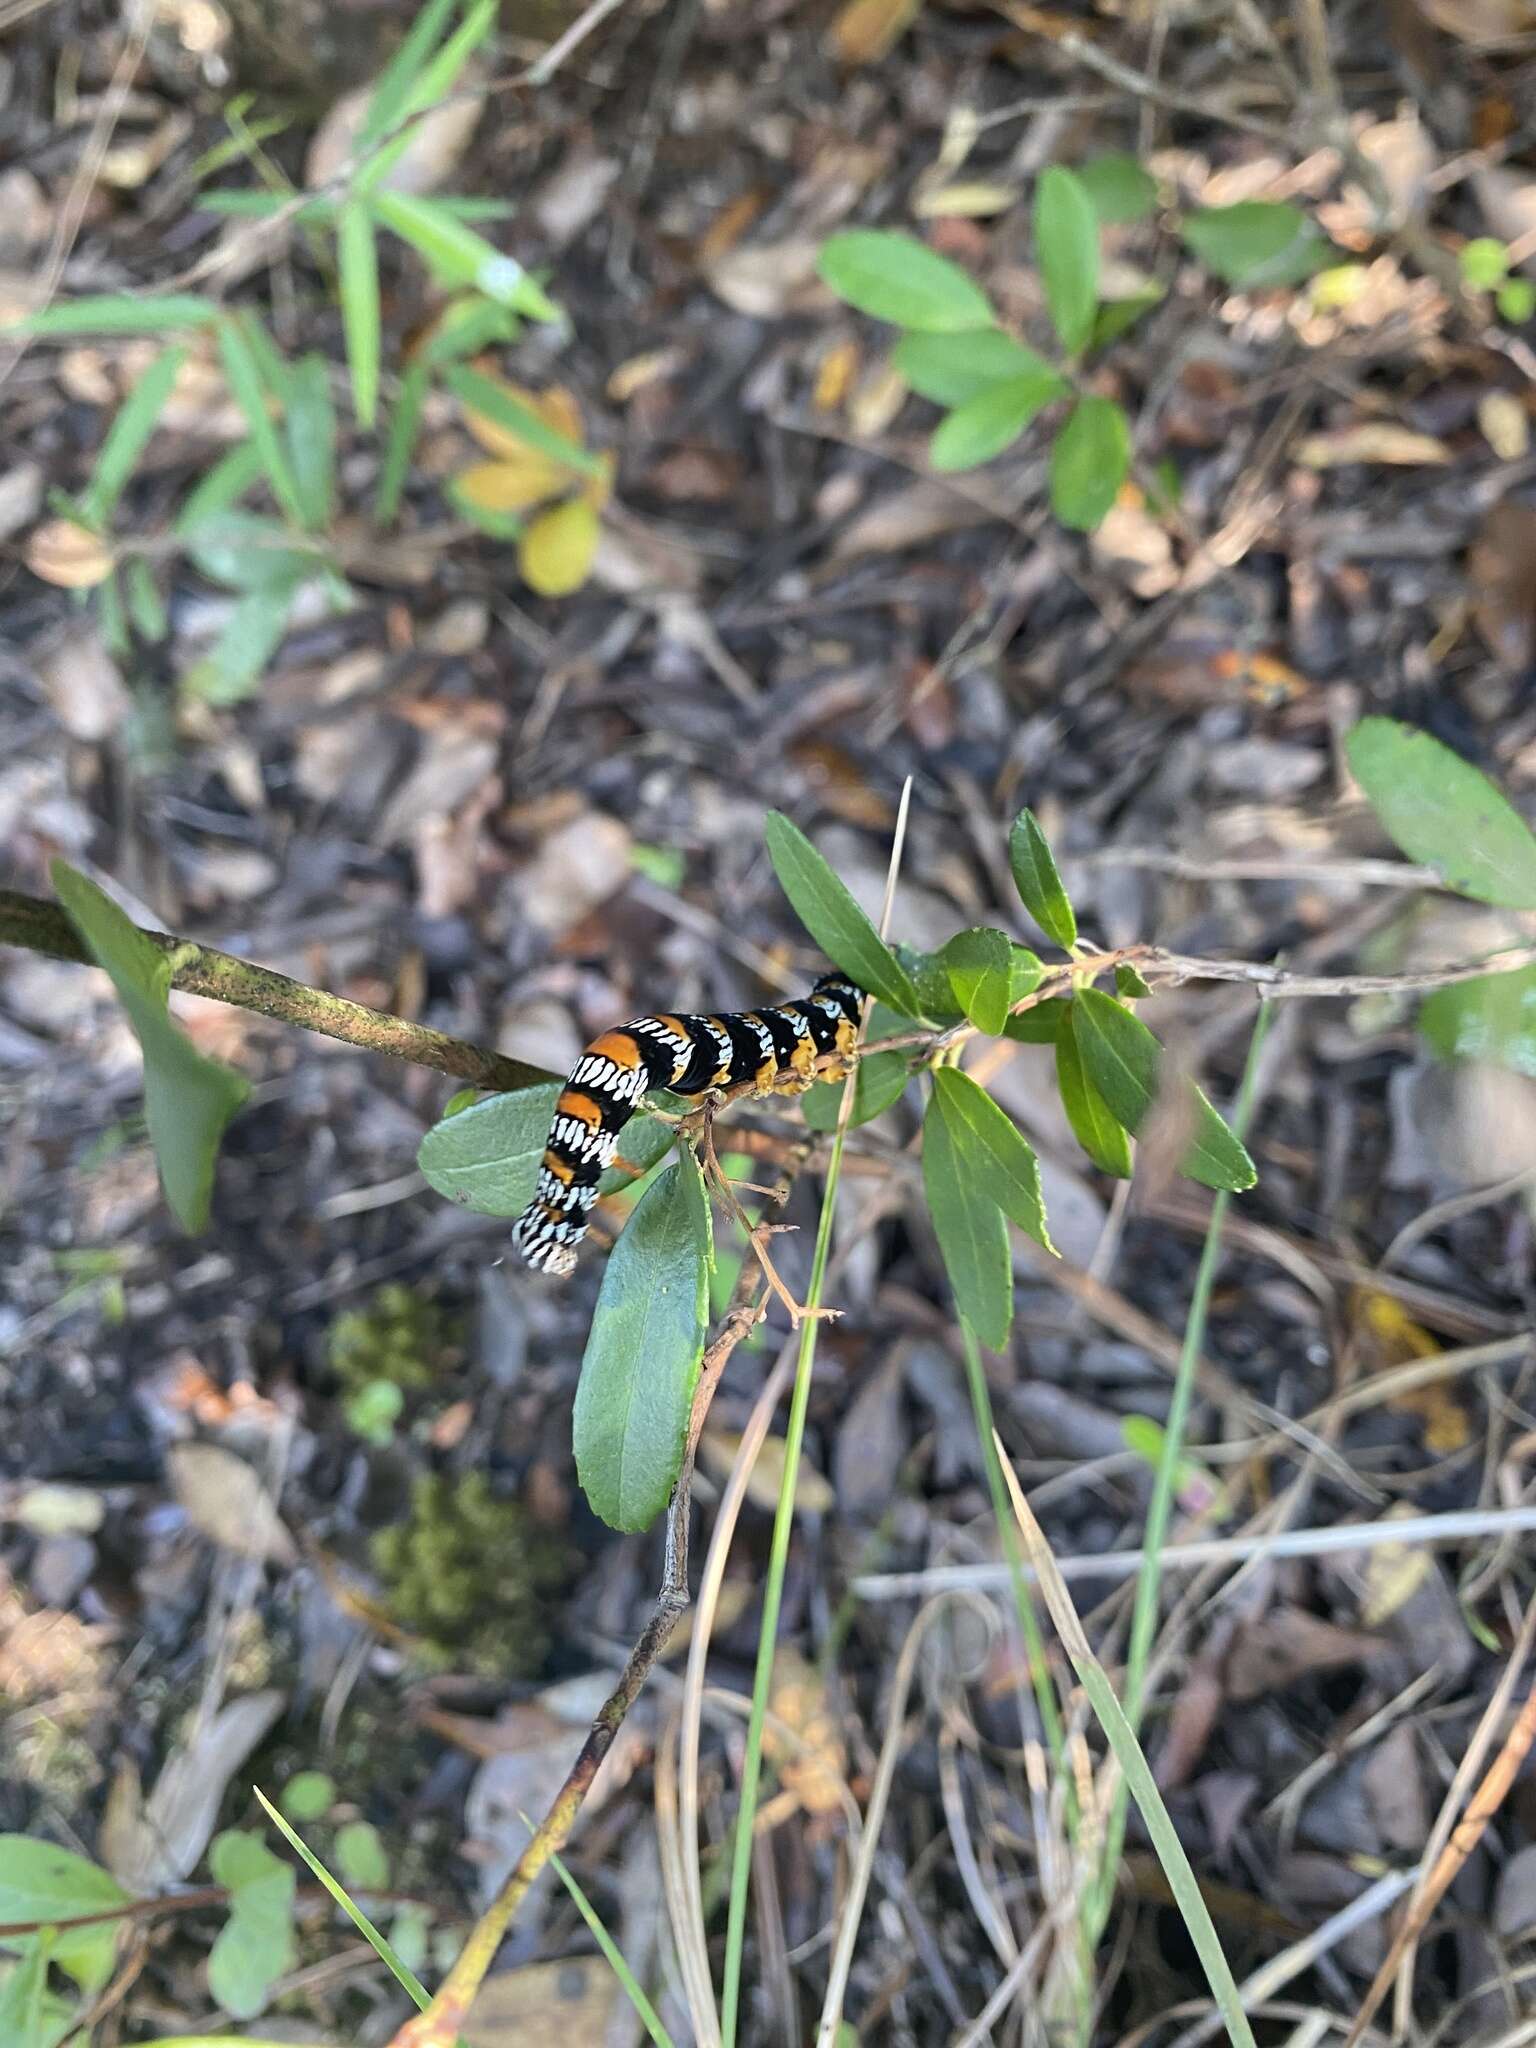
767	1051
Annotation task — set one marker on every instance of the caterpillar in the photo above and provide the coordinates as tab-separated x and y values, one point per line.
772	1051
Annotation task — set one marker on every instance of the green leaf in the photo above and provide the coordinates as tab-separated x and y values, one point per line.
1484	262
360	1856
1119	189
440	76
486	1157
21	1993
465	327
979	964
246	552
993	1151
118	313
400	445
1067	250
1440	810
952	369
1040	1025
1129	985
882	1080
241	203
1089	461
459	256
255	1946
1492	1018
309	427
930	978
1118	316
145	605
247	385
837	924
1123	1060
1094	1126
895	277
1038	882
357	278
972	1232
1257	243
630	1418
188	1099
991	421
43	1883
251	636
308	1794
1516	301
484	395
128	436
400	75
228	480
1025	973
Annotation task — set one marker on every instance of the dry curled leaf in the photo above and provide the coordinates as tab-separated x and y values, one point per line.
225	1500
1501	567
802	1737
1373	441
867	30
66	555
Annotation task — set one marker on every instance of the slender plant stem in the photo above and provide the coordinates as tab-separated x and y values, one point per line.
196	970
1160	1507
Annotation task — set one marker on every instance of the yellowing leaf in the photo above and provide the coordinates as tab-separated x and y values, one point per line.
68	556
835	376
598	488
1391	1338
555	554
555	407
1394	1572
514	484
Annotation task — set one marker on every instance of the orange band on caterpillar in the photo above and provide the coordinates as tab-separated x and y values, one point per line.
687	1055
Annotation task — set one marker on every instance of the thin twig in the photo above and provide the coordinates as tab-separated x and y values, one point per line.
196	970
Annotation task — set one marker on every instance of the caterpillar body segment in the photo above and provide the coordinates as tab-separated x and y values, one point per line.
767	1051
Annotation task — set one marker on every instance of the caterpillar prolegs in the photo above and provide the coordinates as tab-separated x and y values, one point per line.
767	1051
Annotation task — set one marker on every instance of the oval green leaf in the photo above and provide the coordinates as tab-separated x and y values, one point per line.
1038	881
1257	243
882	1080
41	1883
972	1233
188	1099
837	924
1094	1125
1039	1025
630	1419
979	963
486	1157
898	278
1123	1061
993	1151
1492	1018
1119	189
1089	461
1067	249
1440	810
952	369
992	421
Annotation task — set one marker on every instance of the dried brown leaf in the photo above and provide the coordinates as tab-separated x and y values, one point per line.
225	1499
1501	567
66	555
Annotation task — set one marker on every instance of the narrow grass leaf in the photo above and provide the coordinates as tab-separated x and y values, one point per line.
441	75
357	276
952	369
128	436
895	277
1100	1133
992	421
650	2019
972	1233
309	428
247	385
979	963
247	552
629	1422
228	481
118	313
21	1994
459	256
1089	462
1123	1060
403	71
494	402
1439	809
400	442
837	924
991	1147
407	1979
252	635
188	1099
1067	250
1038	881
1118	1732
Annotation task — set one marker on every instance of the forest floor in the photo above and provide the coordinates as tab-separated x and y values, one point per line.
519	819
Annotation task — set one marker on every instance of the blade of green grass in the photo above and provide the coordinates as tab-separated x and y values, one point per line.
243	372
650	2019
128	435
357	276
1160	1507
1134	1767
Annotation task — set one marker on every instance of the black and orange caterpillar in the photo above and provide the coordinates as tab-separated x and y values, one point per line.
764	1052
